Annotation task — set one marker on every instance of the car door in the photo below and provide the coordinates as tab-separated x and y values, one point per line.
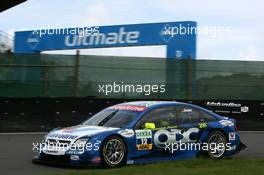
154	130
192	121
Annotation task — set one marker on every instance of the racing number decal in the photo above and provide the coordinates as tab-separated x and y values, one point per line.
144	139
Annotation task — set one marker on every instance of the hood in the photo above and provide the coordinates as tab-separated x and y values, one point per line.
75	132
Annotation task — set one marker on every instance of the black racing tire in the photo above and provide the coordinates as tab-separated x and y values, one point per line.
113	152
216	138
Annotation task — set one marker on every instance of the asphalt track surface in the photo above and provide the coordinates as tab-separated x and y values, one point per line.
16	153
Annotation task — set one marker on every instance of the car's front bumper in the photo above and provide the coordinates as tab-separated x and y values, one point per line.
65	160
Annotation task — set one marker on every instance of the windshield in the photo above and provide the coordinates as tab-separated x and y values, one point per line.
112	118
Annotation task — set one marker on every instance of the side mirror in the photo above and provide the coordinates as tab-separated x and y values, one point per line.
150	126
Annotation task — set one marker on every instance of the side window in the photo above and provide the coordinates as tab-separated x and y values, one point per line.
162	117
206	117
188	115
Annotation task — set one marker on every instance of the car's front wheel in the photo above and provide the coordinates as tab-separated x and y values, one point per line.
216	145
114	153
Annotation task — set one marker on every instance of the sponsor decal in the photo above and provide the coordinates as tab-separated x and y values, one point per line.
129	162
166	137
232	136
62	136
226	123
129	107
120	37
166	33
33	40
150	103
74	157
146	133
96	160
126	133
51	151
79	129
70	129
244	109
144	146
202	125
186	110
231	104
233	147
144	139
227	107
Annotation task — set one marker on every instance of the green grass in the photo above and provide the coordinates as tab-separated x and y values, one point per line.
183	167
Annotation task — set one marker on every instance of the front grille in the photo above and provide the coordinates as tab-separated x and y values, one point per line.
55	158
58	144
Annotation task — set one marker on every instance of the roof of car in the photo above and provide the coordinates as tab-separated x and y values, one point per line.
149	104
141	106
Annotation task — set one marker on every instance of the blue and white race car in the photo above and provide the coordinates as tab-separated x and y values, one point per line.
142	132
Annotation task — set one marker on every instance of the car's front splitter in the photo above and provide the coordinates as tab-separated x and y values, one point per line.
65	161
240	147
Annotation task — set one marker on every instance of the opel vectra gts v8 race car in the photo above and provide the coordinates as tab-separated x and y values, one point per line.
142	132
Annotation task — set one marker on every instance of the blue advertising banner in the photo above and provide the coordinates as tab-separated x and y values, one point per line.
179	38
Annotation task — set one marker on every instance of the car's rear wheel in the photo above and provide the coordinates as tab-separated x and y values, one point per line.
114	153
217	145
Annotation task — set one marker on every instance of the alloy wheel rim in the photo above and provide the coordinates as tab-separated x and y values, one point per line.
114	151
215	140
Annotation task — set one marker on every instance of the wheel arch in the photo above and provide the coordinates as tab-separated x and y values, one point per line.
116	135
205	134
220	130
